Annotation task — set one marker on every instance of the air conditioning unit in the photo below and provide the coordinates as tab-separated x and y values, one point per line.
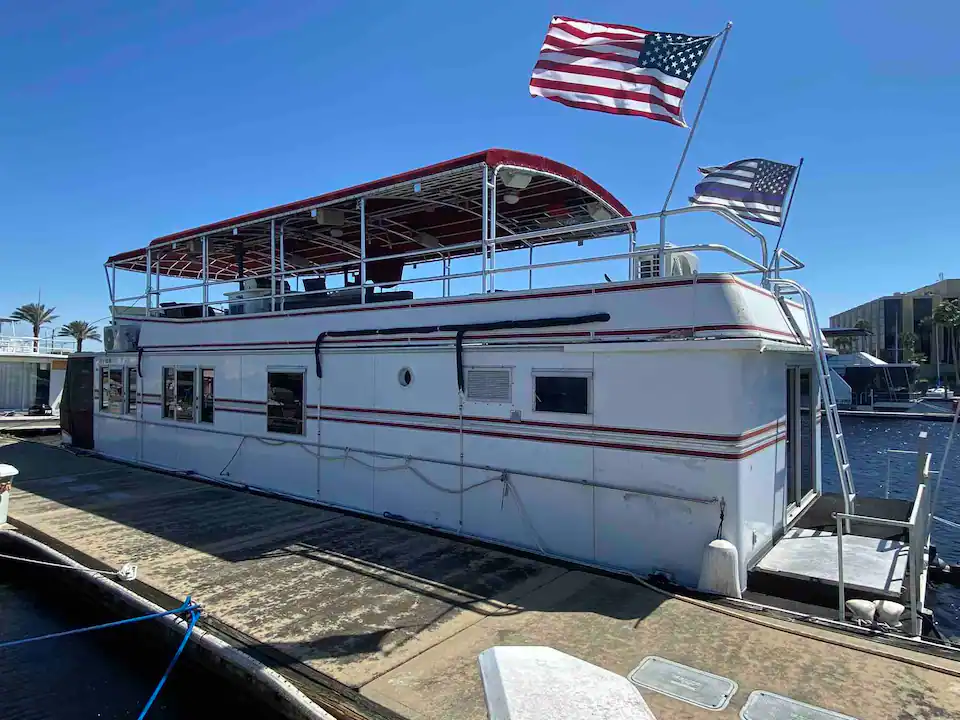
121	338
681	263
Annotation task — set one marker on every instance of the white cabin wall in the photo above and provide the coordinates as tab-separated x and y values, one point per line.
281	463
763	514
115	434
433	389
642	396
348	381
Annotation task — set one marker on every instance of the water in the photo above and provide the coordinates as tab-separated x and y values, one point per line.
867	440
104	674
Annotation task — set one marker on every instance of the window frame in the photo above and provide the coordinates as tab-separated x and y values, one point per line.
176	370
202	396
164	407
288	370
131	404
555	373
105	372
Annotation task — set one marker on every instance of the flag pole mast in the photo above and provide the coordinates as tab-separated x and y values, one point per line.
786	214
664	264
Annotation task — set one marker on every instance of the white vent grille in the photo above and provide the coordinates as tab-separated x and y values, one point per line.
488	384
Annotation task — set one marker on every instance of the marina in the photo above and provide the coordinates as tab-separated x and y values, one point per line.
381	620
424	431
367	462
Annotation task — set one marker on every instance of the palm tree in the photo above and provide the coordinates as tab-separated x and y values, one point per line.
909	341
862	325
843	344
37	315
79	330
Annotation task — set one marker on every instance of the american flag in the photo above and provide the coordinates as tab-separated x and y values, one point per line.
754	189
617	68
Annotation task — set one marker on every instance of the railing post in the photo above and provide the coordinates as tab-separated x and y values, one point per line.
273	266
921	456
484	223
362	202
149	282
205	261
841	605
283	268
492	233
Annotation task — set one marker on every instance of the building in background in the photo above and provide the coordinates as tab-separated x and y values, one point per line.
902	315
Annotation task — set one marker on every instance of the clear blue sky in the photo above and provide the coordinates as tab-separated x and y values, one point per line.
122	121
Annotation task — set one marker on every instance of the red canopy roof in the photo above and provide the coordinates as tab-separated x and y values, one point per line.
440	200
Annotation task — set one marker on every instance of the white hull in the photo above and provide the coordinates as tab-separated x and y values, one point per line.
687	414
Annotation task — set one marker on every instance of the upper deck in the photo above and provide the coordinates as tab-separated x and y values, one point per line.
432	232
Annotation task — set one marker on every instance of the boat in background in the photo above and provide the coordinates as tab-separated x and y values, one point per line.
32	372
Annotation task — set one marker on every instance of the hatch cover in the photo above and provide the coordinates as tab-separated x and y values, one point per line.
696	687
763	705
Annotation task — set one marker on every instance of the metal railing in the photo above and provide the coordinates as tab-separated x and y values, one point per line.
890	454
275	296
22	345
918	528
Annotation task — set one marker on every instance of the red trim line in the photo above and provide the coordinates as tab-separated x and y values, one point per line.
570	441
533	438
561	426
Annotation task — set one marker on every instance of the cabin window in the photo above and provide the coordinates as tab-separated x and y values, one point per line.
285	409
169	393
206	395
488	385
111	390
186	395
131	391
562	393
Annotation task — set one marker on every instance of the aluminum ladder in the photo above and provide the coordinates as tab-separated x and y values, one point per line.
828	398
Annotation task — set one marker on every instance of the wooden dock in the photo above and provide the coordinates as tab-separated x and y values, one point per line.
377	620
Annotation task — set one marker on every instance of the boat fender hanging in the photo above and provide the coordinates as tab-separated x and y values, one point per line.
140	362
720	570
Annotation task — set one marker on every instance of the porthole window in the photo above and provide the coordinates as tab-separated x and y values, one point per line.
405	376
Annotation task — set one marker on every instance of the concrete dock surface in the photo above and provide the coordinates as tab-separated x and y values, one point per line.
392	619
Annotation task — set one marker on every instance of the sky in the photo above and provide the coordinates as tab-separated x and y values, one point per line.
121	122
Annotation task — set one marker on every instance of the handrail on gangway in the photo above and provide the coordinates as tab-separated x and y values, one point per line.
918	529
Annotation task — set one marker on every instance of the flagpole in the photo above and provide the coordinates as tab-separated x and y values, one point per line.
786	214
686	147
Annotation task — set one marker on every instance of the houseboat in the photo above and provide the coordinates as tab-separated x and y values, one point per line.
484	347
32	371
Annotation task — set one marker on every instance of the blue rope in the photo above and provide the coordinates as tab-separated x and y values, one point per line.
194	617
188	605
